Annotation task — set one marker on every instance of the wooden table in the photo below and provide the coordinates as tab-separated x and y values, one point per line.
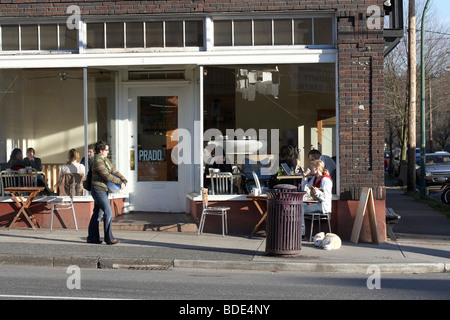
261	204
24	205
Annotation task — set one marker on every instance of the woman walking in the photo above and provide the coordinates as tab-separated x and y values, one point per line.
102	173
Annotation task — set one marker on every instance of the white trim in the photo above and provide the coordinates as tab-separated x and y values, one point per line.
225	57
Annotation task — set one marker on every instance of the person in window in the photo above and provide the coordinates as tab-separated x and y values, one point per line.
32	161
73	165
330	164
320	186
91	154
215	162
289	156
16	160
102	172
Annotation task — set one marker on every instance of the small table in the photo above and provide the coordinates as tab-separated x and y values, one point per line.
261	204
24	205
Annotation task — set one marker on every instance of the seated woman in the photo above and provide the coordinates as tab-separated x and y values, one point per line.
73	165
15	161
321	187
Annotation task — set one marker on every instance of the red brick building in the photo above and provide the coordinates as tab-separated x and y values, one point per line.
142	74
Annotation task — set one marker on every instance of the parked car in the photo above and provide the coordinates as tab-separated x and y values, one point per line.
437	168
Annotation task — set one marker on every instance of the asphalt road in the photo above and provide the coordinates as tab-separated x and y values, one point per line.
186	284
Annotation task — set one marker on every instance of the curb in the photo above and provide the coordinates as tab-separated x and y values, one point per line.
354	268
164	264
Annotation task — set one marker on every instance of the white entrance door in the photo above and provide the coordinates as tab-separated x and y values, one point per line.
156	181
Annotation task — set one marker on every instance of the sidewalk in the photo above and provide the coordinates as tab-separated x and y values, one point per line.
412	253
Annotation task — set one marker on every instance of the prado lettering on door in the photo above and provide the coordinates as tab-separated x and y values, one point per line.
157	125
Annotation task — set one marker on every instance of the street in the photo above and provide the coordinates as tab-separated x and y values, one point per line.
21	282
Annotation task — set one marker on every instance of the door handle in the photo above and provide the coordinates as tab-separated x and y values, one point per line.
131	159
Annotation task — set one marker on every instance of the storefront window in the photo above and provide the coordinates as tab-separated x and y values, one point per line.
157	121
298	100
43	109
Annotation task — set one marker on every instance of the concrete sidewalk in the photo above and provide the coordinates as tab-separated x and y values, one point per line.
149	249
412	253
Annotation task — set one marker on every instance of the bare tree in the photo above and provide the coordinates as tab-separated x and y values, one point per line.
437	48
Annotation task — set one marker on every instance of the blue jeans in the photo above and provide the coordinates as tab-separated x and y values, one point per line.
310	208
101	202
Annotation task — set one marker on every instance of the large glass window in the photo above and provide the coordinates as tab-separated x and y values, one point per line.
43	109
245	103
157	121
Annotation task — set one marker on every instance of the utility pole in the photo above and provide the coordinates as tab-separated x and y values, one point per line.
422	104
411	172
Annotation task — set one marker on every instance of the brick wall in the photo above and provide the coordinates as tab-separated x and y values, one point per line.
360	64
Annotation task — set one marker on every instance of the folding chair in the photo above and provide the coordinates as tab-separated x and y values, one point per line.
207	210
59	204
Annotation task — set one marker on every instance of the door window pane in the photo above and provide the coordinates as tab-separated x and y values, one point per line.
10	37
174	33
49	37
135	35
154	34
263	32
29	37
303	31
114	35
157	122
283	32
95	35
222	33
323	31
243	33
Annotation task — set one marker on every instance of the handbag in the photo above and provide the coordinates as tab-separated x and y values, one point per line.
87	184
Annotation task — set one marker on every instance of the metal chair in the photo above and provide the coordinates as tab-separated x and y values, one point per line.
9	178
222	183
27	178
317	216
207	210
60	204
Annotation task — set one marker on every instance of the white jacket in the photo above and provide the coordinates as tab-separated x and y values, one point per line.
324	196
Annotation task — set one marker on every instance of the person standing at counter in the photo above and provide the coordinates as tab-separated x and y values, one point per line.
102	173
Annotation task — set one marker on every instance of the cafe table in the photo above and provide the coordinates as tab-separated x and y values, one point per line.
260	202
24	204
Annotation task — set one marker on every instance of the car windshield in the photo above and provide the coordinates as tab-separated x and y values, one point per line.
433	160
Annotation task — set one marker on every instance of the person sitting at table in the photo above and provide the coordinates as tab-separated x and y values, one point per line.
289	156
320	185
330	164
31	161
16	160
73	165
215	162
